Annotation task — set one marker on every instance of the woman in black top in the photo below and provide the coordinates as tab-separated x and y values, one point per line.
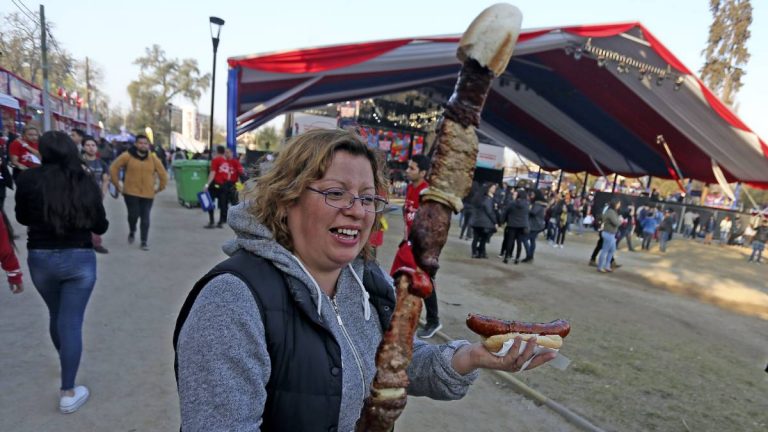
484	220
61	205
516	218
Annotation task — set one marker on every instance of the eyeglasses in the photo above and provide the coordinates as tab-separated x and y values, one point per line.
342	199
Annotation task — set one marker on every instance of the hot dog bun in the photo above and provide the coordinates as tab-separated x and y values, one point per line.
494	343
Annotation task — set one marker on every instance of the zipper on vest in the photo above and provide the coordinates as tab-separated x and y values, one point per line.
349	340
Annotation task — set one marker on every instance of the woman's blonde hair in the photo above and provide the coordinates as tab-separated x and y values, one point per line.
304	159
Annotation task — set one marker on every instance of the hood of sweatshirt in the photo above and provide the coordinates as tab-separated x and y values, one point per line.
133	151
256	238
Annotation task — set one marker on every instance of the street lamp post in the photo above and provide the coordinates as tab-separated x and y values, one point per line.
215	23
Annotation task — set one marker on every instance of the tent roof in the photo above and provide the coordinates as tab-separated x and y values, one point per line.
555	104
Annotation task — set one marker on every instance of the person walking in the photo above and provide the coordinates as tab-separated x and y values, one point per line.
515	217
758	242
725	230
666	228
536	222
688	219
8	260
78	136
6	179
611	223
695	227
709	230
23	152
649	223
562	213
467	211
484	221
100	173
627	228
62	206
144	177
225	173
418	168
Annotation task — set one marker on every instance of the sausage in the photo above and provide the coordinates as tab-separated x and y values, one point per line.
487	326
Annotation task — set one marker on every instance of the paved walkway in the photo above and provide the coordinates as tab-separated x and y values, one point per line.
127	360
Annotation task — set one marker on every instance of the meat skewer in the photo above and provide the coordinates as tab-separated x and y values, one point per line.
485	50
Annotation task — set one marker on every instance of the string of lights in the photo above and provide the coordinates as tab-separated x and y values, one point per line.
626	64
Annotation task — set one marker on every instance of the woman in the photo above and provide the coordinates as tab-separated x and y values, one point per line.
562	213
516	219
61	205
484	221
301	357
536	221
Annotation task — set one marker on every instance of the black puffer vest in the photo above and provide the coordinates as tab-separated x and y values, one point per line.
304	388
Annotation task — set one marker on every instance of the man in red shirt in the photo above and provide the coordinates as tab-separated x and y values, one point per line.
23	151
417	170
225	172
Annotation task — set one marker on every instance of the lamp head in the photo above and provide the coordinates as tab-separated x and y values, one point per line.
216	23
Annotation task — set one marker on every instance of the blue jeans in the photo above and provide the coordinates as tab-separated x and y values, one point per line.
532	243
664	237
606	253
757	251
65	279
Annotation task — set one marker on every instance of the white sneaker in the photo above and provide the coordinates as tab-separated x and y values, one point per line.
70	404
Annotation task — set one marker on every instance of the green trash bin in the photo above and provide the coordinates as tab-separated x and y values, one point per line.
191	176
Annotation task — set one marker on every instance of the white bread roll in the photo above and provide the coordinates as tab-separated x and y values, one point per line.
494	343
491	37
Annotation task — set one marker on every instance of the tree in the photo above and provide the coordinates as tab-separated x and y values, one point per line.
726	54
22	55
160	80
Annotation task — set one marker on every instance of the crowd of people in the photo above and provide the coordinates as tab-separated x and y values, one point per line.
524	212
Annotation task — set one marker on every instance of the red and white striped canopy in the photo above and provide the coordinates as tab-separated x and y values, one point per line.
563	101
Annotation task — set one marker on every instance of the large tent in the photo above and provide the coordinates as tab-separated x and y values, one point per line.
600	98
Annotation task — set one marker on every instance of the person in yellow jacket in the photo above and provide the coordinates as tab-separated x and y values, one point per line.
144	177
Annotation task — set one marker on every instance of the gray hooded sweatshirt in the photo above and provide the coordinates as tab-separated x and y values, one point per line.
223	361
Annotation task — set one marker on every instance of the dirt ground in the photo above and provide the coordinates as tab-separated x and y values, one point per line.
673	341
669	342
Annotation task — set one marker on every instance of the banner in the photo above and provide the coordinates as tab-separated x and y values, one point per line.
489	156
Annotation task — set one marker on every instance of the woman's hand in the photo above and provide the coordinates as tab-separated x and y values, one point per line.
17	288
476	356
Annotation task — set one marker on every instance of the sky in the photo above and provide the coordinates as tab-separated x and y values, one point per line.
114	33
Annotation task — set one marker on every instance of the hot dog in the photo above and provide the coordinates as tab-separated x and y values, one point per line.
488	326
497	331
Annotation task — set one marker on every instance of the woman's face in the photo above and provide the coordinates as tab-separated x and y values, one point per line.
492	190
327	238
